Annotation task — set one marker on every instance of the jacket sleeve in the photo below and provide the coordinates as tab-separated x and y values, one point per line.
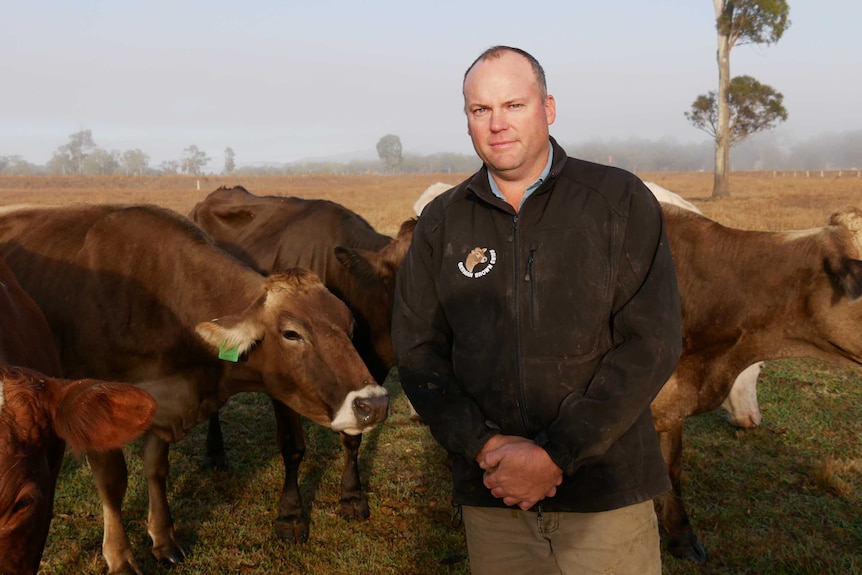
647	340
423	341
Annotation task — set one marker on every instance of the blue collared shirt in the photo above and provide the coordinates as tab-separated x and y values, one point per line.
532	187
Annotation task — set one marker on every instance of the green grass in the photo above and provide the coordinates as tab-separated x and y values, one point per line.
785	498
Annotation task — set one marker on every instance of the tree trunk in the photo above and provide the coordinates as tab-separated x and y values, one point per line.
721	185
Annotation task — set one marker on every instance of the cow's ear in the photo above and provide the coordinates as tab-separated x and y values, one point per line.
396	251
360	263
229	335
851	278
98	415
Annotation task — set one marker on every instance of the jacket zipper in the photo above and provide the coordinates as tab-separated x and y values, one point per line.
528	277
522	409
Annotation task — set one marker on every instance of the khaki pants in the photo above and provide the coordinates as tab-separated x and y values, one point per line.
619	542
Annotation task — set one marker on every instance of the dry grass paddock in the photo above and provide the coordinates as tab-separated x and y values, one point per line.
785	498
759	200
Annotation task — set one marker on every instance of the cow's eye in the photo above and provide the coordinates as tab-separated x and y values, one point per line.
291	335
23	503
27	496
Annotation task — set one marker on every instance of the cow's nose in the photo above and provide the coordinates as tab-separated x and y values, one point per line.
371	410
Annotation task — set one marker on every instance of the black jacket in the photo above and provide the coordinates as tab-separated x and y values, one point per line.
559	323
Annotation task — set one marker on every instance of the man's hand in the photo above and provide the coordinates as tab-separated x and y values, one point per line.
496	442
518	471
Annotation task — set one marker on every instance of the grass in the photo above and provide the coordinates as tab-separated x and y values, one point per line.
785	498
780	499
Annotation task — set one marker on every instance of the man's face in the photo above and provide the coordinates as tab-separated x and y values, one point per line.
506	118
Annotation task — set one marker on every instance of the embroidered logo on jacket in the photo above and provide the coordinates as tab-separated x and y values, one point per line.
479	262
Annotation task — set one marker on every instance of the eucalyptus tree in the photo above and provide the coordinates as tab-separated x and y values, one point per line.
739	22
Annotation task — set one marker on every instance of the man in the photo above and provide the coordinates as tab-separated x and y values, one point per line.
536	317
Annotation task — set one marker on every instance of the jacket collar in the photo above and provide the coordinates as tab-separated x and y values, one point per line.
479	183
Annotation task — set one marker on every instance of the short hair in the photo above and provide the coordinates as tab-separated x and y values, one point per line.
495	52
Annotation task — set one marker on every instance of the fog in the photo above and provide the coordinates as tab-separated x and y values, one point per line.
283	82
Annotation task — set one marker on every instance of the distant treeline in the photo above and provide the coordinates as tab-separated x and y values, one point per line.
760	152
765	151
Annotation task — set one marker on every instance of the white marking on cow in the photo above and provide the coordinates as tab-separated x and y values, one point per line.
429	194
794	235
12	208
2	385
852	220
345	420
741	403
669	197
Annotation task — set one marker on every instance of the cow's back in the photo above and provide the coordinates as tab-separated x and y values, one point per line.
119	274
708	259
274	232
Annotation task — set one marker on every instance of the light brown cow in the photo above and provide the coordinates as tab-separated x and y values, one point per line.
741	403
749	296
39	416
141	294
356	263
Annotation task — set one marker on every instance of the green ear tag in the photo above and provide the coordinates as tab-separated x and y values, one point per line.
229	354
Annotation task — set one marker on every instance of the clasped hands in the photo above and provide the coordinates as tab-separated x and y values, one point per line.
518	471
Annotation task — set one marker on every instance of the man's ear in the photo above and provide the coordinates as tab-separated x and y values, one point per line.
550	109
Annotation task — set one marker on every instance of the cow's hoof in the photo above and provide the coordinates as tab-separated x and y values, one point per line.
689	549
217	462
355	508
291	529
169	554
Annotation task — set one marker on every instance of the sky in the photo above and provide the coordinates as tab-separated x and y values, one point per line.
286	80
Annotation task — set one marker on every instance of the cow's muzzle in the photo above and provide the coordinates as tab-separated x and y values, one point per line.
371	410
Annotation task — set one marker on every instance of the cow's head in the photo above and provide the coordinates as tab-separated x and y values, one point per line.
39	415
371	296
835	306
296	340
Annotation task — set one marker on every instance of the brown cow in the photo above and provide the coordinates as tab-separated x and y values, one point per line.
130	293
356	263
749	296
39	415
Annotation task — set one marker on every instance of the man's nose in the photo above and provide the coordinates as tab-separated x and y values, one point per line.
498	122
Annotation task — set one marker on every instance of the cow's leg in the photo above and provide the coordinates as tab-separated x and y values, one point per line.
111	478
353	503
160	525
215	456
290	525
681	540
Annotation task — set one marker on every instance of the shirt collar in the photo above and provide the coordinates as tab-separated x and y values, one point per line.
532	187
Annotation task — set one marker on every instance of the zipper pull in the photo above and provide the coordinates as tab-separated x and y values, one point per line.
540	519
511	237
530	259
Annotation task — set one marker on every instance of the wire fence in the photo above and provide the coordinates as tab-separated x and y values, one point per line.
853	173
